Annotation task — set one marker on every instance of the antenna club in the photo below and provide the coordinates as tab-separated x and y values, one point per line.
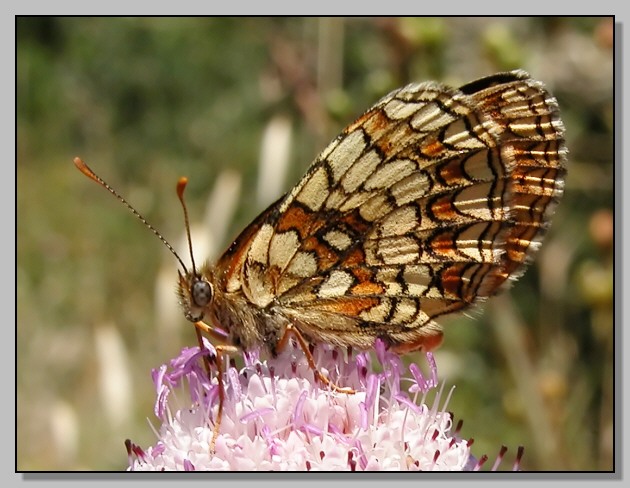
85	169
181	186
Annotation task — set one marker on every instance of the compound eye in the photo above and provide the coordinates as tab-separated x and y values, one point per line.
201	293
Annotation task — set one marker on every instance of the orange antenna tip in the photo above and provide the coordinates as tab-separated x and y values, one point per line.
181	186
85	169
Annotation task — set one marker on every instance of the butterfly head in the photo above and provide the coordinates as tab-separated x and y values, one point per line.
196	294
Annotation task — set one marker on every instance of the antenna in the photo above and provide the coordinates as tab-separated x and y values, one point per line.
181	186
87	171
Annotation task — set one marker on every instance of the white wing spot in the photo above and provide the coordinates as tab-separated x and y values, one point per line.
346	153
315	190
336	285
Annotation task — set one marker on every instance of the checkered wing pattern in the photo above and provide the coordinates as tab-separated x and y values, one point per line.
425	205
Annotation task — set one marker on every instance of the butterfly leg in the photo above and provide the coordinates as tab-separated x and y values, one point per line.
221	349
206	360
291	330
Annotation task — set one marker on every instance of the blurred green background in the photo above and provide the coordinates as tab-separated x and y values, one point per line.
228	101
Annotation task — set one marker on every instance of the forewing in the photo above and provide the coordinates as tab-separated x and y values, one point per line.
427	203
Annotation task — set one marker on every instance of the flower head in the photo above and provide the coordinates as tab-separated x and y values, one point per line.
277	416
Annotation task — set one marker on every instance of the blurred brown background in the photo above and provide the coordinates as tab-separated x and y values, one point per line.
242	106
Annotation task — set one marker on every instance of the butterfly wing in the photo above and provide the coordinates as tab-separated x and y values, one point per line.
425	205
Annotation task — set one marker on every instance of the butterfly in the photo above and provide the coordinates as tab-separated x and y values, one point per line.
430	202
425	205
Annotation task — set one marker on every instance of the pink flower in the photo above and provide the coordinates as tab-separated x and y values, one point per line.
278	417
